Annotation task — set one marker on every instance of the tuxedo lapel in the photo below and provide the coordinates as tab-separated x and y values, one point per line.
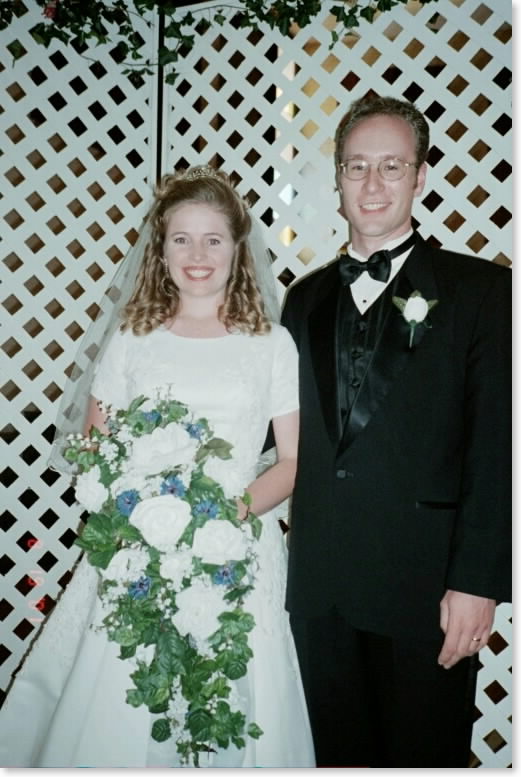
391	352
322	345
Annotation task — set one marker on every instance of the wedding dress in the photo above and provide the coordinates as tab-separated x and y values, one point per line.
67	705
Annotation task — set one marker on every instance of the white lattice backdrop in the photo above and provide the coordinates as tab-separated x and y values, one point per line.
265	108
76	161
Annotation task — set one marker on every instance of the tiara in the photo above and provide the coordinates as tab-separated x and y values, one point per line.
204	171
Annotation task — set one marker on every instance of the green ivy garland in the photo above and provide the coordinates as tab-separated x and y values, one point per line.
83	22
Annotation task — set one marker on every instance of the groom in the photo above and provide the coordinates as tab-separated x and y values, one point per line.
400	537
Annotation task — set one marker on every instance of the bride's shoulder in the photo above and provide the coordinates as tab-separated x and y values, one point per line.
280	333
280	339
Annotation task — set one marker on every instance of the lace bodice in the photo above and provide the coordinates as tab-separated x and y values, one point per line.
238	382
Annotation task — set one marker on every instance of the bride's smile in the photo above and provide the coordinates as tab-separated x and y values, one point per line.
199	251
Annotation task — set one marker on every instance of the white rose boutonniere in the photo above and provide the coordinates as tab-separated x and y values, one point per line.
414	310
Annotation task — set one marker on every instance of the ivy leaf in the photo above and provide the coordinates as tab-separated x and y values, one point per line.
232	666
200	724
218	447
254	731
161	730
134	697
127	651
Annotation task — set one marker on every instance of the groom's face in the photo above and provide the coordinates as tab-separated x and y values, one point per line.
379	210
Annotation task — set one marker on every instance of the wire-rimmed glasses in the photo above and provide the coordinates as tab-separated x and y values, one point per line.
389	169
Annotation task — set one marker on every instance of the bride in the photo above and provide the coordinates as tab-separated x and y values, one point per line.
194	336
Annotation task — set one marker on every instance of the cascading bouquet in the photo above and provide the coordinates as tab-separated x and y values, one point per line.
175	566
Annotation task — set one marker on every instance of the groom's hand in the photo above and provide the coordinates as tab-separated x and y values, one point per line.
466	620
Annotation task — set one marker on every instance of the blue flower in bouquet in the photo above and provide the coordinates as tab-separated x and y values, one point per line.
140	588
127	500
173	485
152	416
195	430
225	575
207	507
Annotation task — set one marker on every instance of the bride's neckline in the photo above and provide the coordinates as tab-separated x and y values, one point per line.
198	335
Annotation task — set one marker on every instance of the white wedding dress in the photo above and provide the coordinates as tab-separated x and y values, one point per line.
67	705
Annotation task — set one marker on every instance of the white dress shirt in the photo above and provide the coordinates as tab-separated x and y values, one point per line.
366	290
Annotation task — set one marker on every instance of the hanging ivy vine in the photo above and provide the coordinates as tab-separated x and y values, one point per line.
83	23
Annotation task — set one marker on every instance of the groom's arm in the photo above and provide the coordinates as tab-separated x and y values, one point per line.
479	572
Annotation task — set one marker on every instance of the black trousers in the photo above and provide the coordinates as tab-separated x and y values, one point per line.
375	701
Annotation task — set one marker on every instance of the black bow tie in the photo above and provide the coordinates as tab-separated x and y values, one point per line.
378	265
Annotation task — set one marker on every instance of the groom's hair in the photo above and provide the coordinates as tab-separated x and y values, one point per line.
368	106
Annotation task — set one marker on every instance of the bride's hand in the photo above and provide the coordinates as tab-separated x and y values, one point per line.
243	510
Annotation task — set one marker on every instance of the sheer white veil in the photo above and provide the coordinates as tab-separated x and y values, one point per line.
73	406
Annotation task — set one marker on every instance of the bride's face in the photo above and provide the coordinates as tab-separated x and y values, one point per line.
199	250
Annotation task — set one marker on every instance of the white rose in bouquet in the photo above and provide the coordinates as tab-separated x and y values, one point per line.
162	450
126	565
161	520
129	481
90	493
199	607
225	472
219	541
176	566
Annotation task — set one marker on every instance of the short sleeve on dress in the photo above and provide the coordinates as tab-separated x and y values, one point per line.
110	375
284	383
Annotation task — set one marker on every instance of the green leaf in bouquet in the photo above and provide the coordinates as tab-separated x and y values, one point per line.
71	454
233	666
254	731
218	687
218	447
127	651
238	620
237	593
135	404
157	709
171	411
99	558
194	681
150	633
227	723
86	460
134	697
161	730
124	636
203	485
256	525
200	724
173	653
98	532
159	699
128	532
197	520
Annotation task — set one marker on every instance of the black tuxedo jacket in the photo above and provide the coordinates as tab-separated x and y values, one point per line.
412	497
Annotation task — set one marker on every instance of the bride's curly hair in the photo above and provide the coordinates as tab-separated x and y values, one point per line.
156	297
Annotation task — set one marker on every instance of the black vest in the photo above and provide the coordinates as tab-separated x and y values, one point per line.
356	337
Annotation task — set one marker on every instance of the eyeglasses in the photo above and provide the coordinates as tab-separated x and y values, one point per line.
389	169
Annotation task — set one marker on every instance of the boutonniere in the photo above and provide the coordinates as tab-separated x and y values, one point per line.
414	310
